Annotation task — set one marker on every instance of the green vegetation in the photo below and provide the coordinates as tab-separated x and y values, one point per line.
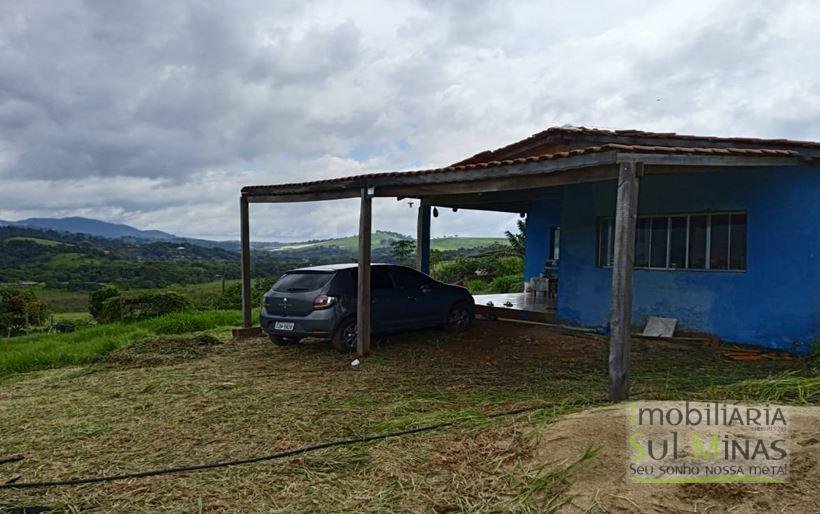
518	240
41	351
36	240
484	275
453	243
144	306
20	309
404	251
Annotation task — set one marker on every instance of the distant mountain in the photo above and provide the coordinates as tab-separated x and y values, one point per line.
344	247
92	227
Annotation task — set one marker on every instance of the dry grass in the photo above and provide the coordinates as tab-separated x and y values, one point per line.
164	402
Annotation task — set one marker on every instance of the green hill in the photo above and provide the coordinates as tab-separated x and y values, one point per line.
381	239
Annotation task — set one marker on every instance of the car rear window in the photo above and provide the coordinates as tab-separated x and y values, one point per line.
302	281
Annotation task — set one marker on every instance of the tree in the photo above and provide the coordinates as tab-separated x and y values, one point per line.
403	250
518	242
19	310
98	297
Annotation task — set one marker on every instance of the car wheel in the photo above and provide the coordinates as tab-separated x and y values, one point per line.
283	340
345	336
459	318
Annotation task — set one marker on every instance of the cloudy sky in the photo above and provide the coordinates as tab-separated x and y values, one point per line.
156	113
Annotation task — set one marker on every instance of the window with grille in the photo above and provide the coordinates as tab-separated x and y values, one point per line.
712	241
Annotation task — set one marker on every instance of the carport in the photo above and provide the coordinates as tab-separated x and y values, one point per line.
511	185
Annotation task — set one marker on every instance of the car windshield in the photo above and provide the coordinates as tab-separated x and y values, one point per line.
302	281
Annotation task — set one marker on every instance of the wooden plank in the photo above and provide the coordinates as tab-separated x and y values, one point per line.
303	197
423	239
710	160
363	298
477	199
442	177
501	181
622	271
245	236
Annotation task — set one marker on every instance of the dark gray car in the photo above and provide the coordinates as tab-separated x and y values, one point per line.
321	302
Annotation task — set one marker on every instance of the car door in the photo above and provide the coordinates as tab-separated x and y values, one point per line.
385	300
423	306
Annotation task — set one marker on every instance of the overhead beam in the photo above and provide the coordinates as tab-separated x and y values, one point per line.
363	291
521	196
688	160
245	236
622	271
303	197
502	182
490	207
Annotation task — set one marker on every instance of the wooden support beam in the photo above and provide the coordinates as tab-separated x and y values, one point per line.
622	271
423	239
245	236
363	293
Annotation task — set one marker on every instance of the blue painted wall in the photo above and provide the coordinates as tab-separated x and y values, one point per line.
774	303
543	216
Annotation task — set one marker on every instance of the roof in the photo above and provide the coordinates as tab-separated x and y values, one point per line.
566	137
467	165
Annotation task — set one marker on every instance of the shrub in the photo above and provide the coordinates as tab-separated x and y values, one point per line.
232	297
509	266
182	323
451	271
144	306
97	298
507	284
477	286
20	309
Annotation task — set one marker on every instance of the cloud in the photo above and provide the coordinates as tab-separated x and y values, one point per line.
156	113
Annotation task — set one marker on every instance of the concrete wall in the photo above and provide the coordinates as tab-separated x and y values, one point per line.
543	216
774	303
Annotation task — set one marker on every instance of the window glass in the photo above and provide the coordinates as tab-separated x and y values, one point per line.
677	242
302	281
657	245
379	278
556	243
737	244
719	242
642	242
410	279
697	242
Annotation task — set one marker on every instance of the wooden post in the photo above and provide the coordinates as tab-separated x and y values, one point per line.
622	271
245	236
423	239
363	294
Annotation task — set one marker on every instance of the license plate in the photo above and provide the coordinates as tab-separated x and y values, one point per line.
283	325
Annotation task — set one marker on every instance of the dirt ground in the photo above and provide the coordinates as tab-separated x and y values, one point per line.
602	486
175	401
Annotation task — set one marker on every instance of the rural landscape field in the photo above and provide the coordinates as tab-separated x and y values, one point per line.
409	256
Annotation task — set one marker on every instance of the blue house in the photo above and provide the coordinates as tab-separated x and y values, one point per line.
721	233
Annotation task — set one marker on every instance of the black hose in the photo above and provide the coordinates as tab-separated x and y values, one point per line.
262	458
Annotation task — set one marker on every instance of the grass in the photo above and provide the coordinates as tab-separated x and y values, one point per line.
37	240
43	351
60	301
164	400
456	243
